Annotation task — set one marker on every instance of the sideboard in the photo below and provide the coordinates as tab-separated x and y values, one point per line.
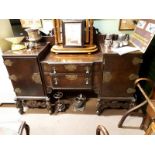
118	74
25	73
36	73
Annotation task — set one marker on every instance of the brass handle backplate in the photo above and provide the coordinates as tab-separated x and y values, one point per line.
8	62
36	78
107	76
71	77
18	90
13	77
130	90
133	76
137	60
70	67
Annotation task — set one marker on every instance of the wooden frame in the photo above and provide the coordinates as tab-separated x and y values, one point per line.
73	33
127	24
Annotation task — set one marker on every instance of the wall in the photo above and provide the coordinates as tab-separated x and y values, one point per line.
5	28
5	31
108	26
7	94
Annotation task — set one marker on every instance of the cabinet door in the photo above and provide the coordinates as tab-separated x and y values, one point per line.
25	75
119	74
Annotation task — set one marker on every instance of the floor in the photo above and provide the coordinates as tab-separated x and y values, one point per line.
72	122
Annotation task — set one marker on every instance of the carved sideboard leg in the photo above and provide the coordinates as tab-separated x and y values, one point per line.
50	107
145	123
27	129
99	107
20	106
129	112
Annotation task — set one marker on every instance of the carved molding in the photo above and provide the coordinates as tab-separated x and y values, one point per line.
35	104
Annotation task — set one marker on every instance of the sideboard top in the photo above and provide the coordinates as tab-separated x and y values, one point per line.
73	58
26	52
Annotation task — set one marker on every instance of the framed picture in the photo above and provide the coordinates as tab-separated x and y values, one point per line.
127	24
33	23
73	33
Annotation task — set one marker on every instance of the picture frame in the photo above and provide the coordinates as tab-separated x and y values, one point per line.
127	24
31	23
73	33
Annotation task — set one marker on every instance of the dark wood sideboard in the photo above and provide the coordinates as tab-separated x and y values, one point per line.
26	75
35	74
119	73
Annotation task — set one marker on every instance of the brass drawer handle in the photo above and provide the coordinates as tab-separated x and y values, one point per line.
13	77
8	62
36	78
70	68
71	77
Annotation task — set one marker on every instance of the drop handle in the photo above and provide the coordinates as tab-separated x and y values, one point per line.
87	81
87	70
55	81
54	70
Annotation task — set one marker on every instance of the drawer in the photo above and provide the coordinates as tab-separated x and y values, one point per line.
71	81
68	68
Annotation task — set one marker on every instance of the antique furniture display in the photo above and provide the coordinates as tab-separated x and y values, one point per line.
108	74
119	73
27	78
73	36
143	37
36	73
